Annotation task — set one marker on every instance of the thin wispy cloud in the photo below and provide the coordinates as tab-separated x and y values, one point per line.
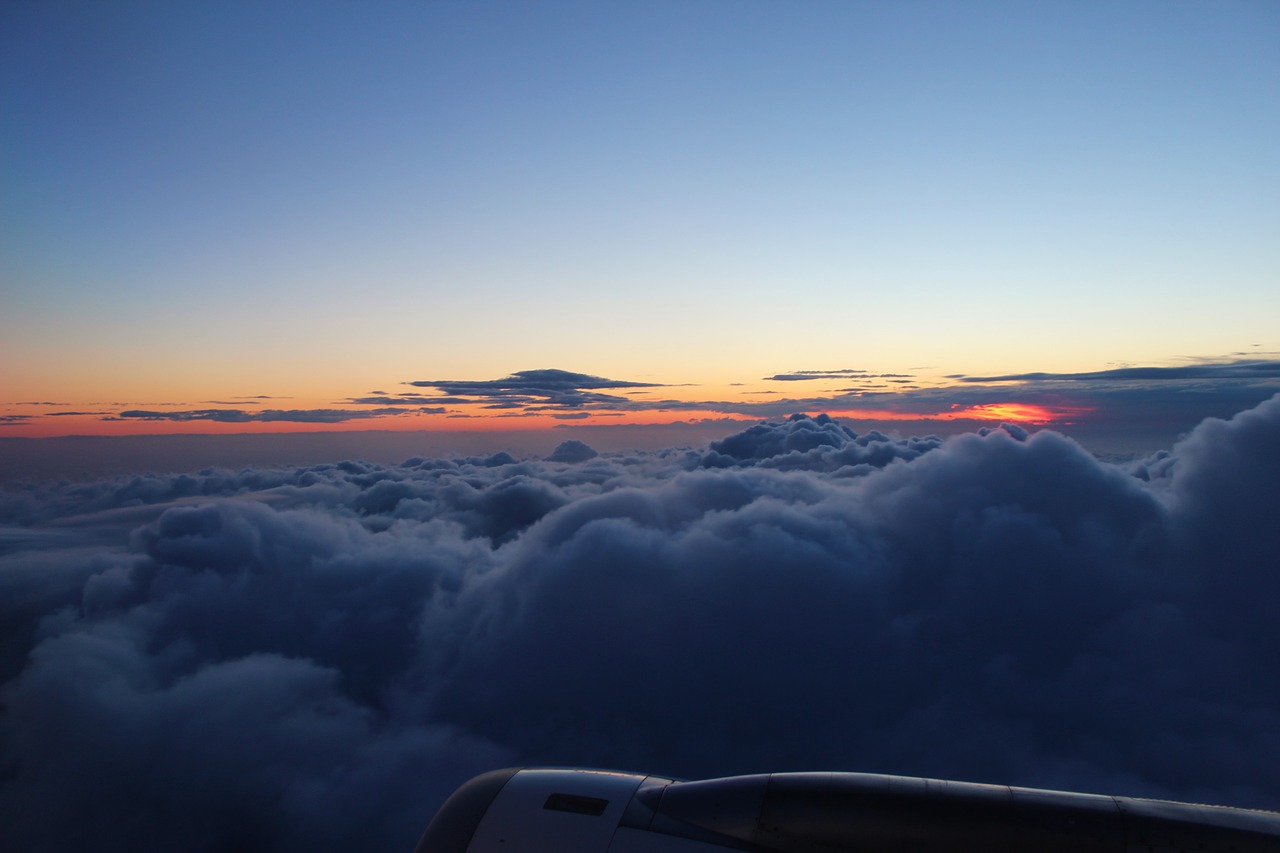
808	375
389	400
802	375
240	416
1240	369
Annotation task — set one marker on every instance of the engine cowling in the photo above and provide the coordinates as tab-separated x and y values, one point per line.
593	811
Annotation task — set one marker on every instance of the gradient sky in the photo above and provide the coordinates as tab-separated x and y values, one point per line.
283	207
590	246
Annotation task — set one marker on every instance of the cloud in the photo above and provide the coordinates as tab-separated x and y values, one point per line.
572	451
381	399
1239	369
802	375
1158	402
813	444
240	416
1172	403
555	387
1173	398
847	373
313	657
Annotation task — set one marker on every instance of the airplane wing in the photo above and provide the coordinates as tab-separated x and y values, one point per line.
592	811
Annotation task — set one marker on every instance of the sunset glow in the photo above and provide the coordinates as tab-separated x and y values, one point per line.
549	399
1013	412
395	391
293	240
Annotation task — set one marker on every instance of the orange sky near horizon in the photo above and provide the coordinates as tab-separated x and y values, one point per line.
218	216
45	420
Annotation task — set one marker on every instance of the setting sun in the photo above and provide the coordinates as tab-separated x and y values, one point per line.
1024	413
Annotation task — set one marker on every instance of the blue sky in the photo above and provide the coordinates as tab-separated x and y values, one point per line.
312	200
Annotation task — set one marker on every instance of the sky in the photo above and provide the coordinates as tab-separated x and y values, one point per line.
394	392
245	217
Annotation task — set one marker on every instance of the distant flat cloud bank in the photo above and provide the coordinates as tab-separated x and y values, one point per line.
312	656
94	457
91	457
1116	410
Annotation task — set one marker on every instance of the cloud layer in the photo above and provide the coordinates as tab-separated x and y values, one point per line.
312	658
1238	369
1152	405
528	388
302	416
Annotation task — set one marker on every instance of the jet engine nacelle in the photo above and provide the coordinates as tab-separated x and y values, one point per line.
591	811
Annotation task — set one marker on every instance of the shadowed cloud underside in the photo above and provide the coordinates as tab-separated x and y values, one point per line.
311	658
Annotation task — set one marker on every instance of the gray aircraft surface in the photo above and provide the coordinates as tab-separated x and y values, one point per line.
593	811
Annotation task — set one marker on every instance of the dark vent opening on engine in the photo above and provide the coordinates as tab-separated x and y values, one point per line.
577	805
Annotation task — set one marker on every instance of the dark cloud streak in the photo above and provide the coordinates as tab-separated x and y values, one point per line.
240	416
555	387
1242	369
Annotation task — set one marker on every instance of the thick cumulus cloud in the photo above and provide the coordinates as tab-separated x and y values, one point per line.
813	444
312	658
571	451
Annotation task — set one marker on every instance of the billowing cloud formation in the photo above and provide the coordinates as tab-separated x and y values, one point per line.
311	658
572	450
813	444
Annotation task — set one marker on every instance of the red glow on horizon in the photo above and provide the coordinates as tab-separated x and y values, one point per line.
1025	413
1006	411
473	419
